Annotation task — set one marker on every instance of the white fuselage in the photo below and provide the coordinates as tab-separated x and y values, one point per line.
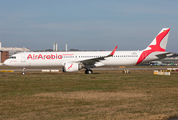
57	59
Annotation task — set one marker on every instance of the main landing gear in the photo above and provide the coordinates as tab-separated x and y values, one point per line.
88	71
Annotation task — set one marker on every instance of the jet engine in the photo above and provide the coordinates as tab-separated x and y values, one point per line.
72	67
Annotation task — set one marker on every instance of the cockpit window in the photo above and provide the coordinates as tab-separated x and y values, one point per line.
12	57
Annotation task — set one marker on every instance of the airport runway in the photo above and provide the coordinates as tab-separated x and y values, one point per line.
146	68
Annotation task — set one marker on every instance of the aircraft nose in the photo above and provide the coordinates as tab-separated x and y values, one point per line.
6	62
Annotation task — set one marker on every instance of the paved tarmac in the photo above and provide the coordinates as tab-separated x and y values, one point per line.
146	68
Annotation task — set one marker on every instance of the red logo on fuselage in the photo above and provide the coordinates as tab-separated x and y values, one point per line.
154	48
40	56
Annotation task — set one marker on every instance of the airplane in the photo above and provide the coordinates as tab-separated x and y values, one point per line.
73	61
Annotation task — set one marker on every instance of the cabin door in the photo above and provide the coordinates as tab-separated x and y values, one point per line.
23	57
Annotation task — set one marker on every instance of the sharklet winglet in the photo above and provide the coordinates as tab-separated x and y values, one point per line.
112	53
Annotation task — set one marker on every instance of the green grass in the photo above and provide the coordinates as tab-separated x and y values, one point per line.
103	95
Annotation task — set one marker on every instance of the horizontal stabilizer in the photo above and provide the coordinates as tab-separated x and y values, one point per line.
164	55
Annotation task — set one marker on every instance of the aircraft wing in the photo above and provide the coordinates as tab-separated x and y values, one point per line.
92	61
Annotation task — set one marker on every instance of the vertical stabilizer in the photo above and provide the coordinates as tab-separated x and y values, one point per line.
160	41
157	45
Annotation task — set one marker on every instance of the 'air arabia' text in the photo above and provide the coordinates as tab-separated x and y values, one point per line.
40	56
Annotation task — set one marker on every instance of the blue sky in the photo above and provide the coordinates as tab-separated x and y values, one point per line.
87	24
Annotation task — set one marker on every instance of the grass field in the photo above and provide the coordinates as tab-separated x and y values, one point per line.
139	95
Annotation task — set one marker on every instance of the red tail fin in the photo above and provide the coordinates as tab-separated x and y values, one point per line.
157	45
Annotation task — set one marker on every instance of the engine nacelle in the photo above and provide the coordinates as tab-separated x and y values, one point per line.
71	67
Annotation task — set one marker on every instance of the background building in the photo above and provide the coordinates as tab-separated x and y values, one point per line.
4	56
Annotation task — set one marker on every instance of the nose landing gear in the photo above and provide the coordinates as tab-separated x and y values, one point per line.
23	72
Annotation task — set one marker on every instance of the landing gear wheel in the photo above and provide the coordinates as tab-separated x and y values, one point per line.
88	71
23	72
